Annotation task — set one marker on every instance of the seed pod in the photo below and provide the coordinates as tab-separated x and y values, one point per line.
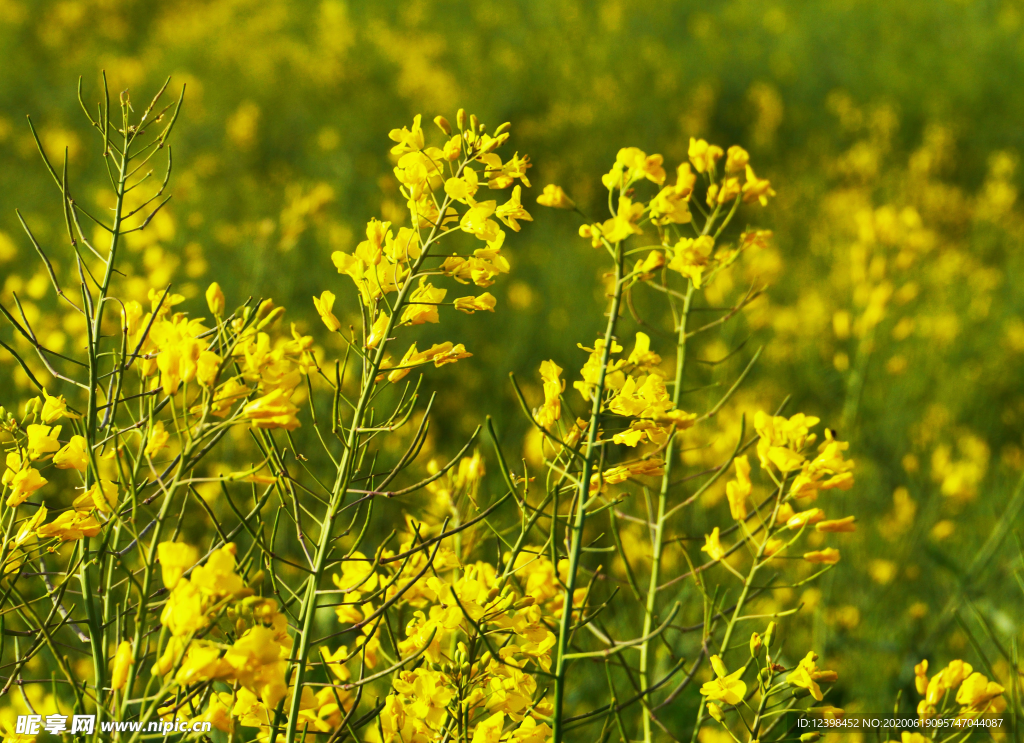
769	634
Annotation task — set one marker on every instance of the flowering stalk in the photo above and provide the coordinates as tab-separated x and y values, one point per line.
579	513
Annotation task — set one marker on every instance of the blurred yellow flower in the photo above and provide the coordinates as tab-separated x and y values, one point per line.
555	197
713	545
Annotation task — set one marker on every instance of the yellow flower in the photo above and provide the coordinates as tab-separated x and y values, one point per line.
726	687
513	210
71	526
623	224
838	525
549	413
703	155
73	455
489	731
157	441
408	140
728	191
422	307
42	440
739	489
646	267
377	330
780	440
977	692
23	484
215	299
273	410
335	662
324	304
642	356
207	368
804	674
632	163
477	221
530	731
955	673
671	205
403	247
713	546
54	408
441	354
736	159
469	305
122	662
502	176
217	576
756	189
102	496
593	233
464	188
826	471
453	148
810	516
921	677
690	256
14	464
827	556
653	467
175	558
555	197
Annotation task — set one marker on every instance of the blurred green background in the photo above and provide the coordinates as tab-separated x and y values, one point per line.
889	129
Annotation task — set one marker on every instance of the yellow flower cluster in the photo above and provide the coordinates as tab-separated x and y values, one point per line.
784	449
440	185
974	692
501	616
220	631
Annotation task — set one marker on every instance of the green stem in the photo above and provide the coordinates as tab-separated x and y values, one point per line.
97	637
340	490
659	525
576	544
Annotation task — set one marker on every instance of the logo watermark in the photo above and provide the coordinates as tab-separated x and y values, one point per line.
58	724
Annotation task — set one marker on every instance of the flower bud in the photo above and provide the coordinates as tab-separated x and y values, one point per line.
215	299
273	317
755	645
460	119
443	125
33	406
474	123
502	129
716	712
264	309
769	634
809	737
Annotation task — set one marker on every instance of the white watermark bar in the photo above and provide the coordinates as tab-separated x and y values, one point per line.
811	722
59	724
